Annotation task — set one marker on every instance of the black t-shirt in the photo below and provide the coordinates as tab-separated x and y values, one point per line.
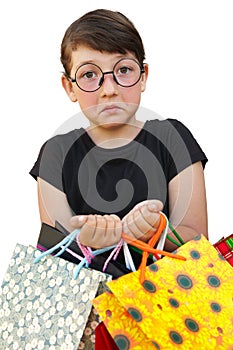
99	181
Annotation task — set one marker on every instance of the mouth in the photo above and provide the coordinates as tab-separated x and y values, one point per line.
111	109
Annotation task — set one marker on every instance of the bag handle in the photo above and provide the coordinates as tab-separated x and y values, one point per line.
65	243
148	248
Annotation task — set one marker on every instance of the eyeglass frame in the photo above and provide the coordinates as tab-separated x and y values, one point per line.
101	81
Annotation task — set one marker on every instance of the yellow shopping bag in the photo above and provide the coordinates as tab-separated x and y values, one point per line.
179	305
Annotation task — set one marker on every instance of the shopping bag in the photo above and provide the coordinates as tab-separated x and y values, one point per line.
180	304
225	247
43	307
103	340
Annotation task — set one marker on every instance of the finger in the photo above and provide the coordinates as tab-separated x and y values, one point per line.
113	225
110	226
152	219
150	214
131	226
144	223
153	205
101	231
78	221
117	228
88	231
99	235
113	230
126	230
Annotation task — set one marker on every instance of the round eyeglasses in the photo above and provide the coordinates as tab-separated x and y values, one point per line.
89	77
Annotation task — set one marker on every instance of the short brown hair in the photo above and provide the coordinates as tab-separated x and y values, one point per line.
102	30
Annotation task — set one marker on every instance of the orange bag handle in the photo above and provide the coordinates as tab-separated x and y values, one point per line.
148	248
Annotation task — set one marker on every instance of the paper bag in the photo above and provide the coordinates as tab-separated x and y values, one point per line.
225	247
180	305
42	306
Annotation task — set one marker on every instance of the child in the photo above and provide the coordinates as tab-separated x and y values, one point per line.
117	174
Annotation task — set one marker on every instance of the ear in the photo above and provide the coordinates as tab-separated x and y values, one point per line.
144	77
69	89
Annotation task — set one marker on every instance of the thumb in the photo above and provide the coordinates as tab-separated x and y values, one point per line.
155	205
78	221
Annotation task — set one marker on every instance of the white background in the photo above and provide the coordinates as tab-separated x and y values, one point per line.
189	51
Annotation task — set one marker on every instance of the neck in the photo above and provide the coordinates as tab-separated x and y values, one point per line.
114	136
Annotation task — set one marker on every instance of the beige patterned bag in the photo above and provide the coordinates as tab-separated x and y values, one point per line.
43	307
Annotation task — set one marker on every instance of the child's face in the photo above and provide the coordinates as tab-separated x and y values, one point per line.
111	104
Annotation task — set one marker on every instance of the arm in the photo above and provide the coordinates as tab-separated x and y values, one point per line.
187	206
53	205
187	203
96	231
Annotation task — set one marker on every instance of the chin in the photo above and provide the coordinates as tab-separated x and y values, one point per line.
112	125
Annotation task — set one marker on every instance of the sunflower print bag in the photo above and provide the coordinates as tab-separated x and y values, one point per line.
179	304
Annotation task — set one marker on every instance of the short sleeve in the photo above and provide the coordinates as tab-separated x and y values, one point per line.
184	148
180	149
50	161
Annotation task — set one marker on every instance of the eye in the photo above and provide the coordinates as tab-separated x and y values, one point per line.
124	70
88	72
89	75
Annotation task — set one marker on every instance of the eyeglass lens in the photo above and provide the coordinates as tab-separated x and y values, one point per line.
126	72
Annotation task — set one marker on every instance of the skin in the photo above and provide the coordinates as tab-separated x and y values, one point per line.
111	114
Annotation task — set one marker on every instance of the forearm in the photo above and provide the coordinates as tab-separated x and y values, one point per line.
53	206
186	233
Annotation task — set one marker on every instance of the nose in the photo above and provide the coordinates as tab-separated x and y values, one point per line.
108	84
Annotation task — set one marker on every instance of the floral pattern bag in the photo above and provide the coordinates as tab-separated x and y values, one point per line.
43	307
179	304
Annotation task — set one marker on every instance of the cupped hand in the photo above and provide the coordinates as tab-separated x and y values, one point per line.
98	231
143	220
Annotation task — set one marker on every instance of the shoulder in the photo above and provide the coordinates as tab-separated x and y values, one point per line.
66	138
177	138
165	124
62	143
54	150
166	129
